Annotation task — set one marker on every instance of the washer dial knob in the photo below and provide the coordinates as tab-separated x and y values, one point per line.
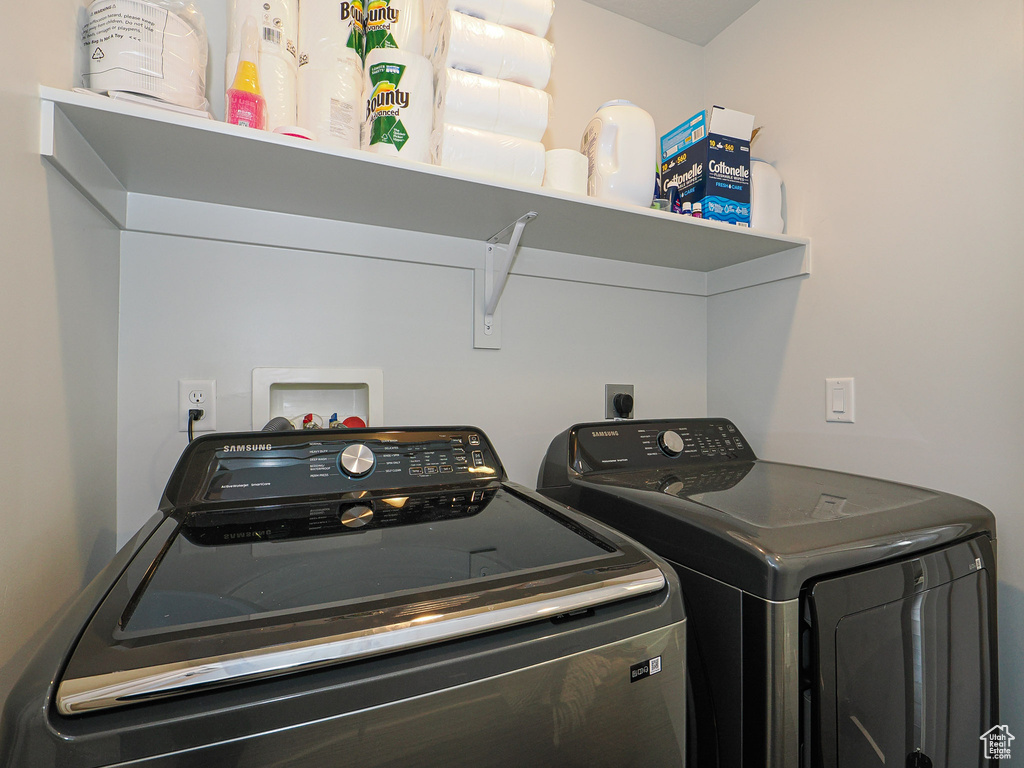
671	443
356	517
357	460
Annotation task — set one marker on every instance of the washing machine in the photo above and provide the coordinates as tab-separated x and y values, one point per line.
836	620
371	597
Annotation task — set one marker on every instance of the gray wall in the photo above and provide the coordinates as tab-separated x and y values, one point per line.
897	129
58	349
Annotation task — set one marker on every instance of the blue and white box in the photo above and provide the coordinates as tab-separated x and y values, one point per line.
706	161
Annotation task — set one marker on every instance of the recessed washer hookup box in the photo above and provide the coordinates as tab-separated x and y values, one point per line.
709	168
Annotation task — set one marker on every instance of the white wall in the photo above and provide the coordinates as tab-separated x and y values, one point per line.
58	349
561	342
897	128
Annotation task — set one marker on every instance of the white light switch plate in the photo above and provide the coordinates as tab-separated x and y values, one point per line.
839	400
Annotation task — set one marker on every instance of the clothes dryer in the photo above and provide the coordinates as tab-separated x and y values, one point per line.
836	620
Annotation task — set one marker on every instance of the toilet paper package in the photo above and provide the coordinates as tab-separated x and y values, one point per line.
489	104
278	82
329	101
484	48
395	24
327	28
530	16
504	159
155	48
398	98
277	21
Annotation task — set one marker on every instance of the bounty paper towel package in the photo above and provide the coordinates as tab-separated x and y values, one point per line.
398	93
395	24
710	168
327	28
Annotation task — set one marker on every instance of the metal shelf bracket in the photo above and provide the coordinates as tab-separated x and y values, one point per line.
489	282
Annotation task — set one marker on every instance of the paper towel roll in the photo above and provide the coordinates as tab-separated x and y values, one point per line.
327	27
489	104
278	78
278	22
478	46
505	159
329	102
531	16
566	171
395	24
398	97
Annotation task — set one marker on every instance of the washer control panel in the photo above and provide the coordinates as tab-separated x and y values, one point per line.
265	466
653	444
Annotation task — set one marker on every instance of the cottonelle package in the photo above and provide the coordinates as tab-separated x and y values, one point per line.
398	93
710	167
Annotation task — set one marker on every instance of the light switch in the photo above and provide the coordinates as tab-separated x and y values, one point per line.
839	400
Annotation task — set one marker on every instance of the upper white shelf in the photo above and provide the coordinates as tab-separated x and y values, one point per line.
109	149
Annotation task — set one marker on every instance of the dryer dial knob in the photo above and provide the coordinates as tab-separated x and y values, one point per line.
671	443
356	517
357	460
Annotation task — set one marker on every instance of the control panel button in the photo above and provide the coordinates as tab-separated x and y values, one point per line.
431	470
478	458
474	439
357	460
356	517
670	443
447	468
415	470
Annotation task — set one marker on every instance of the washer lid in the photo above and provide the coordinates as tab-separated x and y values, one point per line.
767	528
206	605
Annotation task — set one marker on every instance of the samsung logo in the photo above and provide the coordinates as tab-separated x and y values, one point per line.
245	448
608	433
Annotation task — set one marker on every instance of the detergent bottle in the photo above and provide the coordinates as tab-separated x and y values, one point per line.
245	104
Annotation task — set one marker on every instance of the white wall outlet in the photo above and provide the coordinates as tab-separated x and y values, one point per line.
839	400
201	394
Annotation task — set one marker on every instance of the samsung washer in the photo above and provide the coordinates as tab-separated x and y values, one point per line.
838	620
374	597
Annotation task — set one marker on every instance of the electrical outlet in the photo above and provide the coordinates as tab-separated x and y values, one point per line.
201	394
621	408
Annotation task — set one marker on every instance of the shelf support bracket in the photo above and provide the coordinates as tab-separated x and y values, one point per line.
489	283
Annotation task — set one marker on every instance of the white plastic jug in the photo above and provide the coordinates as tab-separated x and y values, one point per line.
621	150
765	197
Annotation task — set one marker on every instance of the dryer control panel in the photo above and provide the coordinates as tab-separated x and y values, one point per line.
655	444
358	463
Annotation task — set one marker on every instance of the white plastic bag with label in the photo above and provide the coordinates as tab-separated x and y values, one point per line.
156	48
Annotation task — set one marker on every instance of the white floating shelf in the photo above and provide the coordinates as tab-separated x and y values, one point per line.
109	149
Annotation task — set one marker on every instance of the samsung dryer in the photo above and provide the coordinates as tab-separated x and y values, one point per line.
839	621
373	597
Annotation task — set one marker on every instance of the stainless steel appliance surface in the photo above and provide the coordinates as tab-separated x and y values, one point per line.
368	597
834	620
